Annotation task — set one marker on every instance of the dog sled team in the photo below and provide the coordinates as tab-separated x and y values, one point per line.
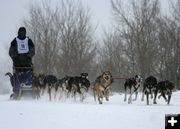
70	86
23	78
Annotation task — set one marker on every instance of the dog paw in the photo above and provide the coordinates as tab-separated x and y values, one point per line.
100	102
154	102
129	102
14	96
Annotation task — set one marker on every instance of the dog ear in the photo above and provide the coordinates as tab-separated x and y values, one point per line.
109	72
136	76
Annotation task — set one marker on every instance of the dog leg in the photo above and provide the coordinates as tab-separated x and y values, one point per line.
143	92
81	97
67	94
94	92
38	92
147	97
130	97
35	93
44	87
20	92
164	96
151	95
155	96
169	97
74	94
56	90
159	96
61	92
42	91
125	96
73	91
49	92
107	95
142	99
100	98
136	94
82	94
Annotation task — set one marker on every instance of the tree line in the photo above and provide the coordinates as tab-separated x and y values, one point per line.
143	40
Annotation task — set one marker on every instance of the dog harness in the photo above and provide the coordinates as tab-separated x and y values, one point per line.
22	46
136	87
104	88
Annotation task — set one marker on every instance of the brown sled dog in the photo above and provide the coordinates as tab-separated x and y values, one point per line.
102	86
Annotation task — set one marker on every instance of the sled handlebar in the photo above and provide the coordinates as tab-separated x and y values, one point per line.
22	67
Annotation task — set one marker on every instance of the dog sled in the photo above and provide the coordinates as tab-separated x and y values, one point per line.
22	82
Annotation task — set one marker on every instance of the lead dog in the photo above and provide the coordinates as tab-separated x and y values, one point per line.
102	86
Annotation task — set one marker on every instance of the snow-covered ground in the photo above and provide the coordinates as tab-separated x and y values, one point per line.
70	114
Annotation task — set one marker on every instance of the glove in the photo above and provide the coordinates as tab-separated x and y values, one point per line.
22	57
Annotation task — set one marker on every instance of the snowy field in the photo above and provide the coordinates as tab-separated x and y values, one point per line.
70	114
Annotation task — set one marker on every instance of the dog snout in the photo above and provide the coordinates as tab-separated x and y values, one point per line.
107	77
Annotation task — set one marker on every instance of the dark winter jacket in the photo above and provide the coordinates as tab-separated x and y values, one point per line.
21	59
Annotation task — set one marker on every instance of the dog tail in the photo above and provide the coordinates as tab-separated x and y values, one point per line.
10	76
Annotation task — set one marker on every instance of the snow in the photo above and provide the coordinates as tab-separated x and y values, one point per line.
70	114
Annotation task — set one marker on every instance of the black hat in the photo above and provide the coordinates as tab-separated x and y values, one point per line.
22	29
22	33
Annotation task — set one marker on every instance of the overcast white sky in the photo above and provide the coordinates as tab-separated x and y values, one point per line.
13	11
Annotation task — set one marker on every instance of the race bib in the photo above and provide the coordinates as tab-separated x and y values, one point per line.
22	46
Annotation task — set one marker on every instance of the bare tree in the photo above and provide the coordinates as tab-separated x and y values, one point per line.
112	54
137	28
151	40
113	57
44	33
77	43
169	46
63	36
